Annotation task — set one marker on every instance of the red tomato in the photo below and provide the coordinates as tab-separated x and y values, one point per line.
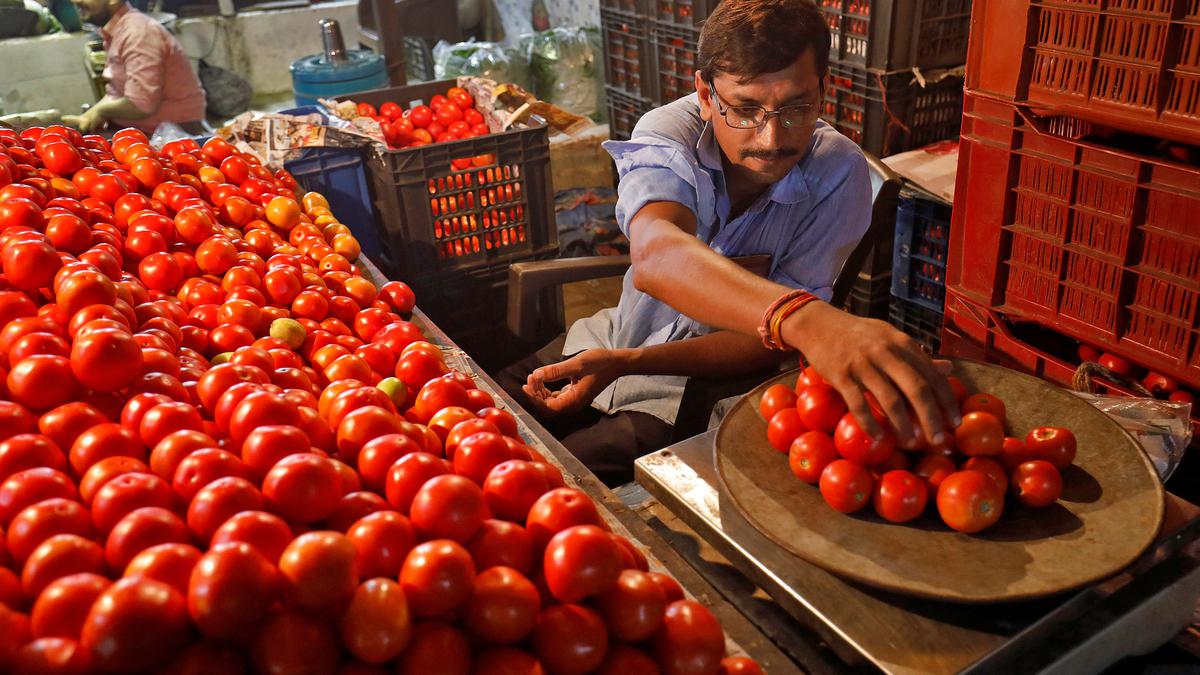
506	661
776	398
990	468
135	624
980	434
170	563
407	476
378	455
690	640
985	403
512	488
65	423
302	488
231	590
571	639
633	607
383	539
207	658
969	502
53	655
102	441
265	532
167	418
202	467
1037	483
622	659
363	425
377	626
62	607
126	493
437	577
29	451
810	453
60	556
42	381
398	296
420	116
448	507
448	114
1055	445
503	607
320	570
846	485
354	505
218	501
1014	454
740	665
557	510
139	530
855	445
478	454
932	470
501	543
38	522
1118	365
821	407
435	648
784	428
293	641
900	496
579	562
268	444
28	487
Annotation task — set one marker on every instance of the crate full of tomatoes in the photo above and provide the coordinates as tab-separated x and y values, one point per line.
451	195
964	477
222	449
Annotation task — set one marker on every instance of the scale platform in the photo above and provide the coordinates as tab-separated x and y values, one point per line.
1078	632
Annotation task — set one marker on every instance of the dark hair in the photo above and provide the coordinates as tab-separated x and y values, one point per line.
747	38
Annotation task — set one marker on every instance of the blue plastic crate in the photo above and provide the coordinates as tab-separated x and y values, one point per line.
339	174
919	251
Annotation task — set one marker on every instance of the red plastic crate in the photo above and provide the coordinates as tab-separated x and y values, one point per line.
1129	64
675	59
975	332
1100	244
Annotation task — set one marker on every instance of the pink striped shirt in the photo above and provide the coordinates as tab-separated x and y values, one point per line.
146	64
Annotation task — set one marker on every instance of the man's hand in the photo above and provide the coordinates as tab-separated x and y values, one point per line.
85	123
589	372
856	355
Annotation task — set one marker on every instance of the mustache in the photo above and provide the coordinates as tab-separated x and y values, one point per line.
769	155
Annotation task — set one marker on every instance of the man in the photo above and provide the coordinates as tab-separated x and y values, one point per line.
149	79
742	167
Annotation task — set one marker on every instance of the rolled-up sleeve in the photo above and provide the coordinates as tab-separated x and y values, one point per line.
652	169
144	56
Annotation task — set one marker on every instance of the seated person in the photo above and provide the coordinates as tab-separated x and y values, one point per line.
149	79
741	167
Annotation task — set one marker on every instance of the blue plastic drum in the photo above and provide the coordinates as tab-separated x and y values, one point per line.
314	77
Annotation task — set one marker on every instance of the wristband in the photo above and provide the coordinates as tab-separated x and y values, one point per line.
772	321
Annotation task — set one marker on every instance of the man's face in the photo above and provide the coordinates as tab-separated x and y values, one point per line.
97	12
767	153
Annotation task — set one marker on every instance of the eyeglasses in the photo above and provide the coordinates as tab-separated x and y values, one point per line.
755	116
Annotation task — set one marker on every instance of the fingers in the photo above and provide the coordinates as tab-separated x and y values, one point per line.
852	394
891	401
931	397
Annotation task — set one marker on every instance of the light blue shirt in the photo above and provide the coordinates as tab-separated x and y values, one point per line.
808	223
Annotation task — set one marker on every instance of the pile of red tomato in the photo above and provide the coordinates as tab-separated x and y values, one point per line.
1159	385
966	477
446	118
223	450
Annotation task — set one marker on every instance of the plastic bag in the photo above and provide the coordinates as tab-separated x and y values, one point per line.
565	63
484	59
1162	428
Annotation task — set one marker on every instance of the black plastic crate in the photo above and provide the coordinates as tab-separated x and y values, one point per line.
675	59
920	323
628	53
919	251
886	113
624	111
898	34
471	307
640	7
870	296
435	217
418	56
683	12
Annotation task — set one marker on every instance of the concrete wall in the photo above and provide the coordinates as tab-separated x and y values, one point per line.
48	71
261	46
44	72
